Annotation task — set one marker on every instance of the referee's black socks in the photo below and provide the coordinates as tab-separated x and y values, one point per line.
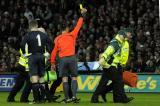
66	89
74	86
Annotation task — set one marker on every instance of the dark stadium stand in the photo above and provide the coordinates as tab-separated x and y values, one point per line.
104	19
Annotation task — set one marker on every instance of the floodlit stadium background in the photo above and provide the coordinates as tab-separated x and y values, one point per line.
104	19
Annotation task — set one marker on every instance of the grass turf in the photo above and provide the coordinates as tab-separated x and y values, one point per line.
141	99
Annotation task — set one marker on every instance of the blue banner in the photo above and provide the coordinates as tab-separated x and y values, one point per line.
7	82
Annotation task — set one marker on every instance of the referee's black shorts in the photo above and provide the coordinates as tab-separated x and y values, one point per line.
68	66
36	64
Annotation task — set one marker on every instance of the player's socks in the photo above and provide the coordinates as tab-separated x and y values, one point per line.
66	89
35	88
74	86
42	92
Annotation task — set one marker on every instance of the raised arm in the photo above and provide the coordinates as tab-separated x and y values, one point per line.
78	26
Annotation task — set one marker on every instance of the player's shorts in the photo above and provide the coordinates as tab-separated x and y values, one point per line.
36	64
68	66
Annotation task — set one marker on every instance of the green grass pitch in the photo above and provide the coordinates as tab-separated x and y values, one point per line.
141	99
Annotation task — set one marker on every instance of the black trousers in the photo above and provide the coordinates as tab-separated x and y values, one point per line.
21	80
117	84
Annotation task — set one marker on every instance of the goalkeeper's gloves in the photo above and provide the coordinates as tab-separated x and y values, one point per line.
46	55
25	55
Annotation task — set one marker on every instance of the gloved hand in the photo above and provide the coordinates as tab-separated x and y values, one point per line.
26	55
46	55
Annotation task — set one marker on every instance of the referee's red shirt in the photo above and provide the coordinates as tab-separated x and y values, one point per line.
65	43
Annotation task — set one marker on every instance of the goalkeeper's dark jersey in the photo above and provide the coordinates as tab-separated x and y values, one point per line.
37	42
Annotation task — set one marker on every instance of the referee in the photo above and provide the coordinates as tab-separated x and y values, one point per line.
65	47
37	42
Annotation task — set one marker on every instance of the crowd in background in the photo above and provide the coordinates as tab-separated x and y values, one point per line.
104	19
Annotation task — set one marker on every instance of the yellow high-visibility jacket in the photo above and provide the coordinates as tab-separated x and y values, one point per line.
116	53
23	60
124	53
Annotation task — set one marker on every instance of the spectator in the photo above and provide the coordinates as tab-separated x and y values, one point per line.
29	15
105	18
